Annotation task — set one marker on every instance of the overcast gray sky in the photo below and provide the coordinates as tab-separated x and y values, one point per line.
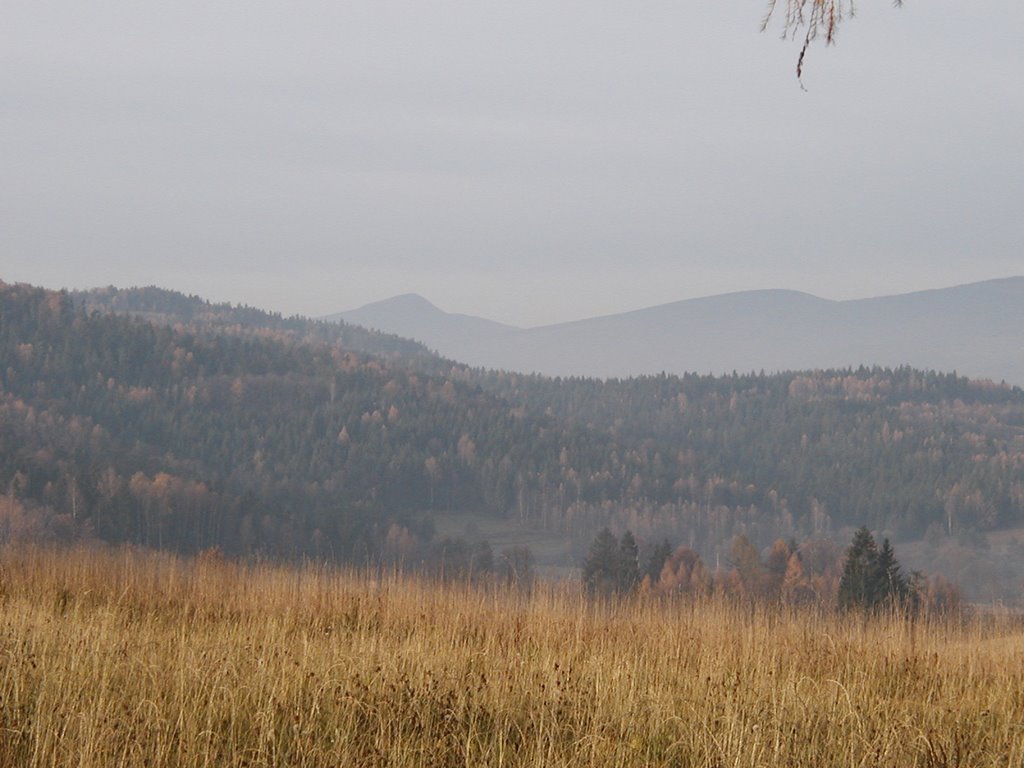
529	161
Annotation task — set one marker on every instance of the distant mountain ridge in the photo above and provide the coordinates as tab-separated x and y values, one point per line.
424	322
975	329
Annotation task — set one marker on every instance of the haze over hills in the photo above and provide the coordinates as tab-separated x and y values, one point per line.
421	320
187	425
975	329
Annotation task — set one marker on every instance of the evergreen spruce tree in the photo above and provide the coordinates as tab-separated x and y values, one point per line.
628	575
601	568
656	563
858	585
891	585
871	576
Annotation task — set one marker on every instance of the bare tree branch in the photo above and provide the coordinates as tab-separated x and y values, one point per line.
815	18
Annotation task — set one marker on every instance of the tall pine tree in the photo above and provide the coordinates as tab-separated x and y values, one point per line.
859	584
871	576
629	563
612	566
600	569
891	584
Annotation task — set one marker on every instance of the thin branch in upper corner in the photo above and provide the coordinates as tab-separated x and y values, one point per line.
816	18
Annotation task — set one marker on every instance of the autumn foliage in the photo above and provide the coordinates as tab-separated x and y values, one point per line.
816	572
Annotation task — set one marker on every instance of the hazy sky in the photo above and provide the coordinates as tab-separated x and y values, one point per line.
529	161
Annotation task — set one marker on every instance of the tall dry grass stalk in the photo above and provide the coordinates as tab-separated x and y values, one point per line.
122	658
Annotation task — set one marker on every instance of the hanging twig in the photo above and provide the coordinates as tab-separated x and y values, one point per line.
817	18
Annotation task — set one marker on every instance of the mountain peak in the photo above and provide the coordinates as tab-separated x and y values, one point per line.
402	302
413	316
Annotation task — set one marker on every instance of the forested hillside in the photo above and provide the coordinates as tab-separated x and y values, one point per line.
196	314
899	450
123	429
191	427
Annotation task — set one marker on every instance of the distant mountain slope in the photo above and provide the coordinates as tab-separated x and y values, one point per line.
975	329
167	307
412	316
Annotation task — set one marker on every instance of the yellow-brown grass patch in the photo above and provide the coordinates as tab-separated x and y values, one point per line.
123	658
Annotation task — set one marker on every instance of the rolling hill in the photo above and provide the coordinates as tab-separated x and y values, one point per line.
975	329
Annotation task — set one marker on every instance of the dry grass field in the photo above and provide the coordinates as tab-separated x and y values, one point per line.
121	658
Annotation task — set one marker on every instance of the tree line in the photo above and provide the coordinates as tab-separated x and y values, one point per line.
865	577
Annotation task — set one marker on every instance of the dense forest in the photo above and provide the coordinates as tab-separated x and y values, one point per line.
150	417
165	307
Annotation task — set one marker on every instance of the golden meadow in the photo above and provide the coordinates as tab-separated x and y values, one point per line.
114	658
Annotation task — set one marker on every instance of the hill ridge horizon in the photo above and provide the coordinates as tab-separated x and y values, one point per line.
417	298
974	328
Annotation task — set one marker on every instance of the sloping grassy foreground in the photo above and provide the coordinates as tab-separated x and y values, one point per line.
126	659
